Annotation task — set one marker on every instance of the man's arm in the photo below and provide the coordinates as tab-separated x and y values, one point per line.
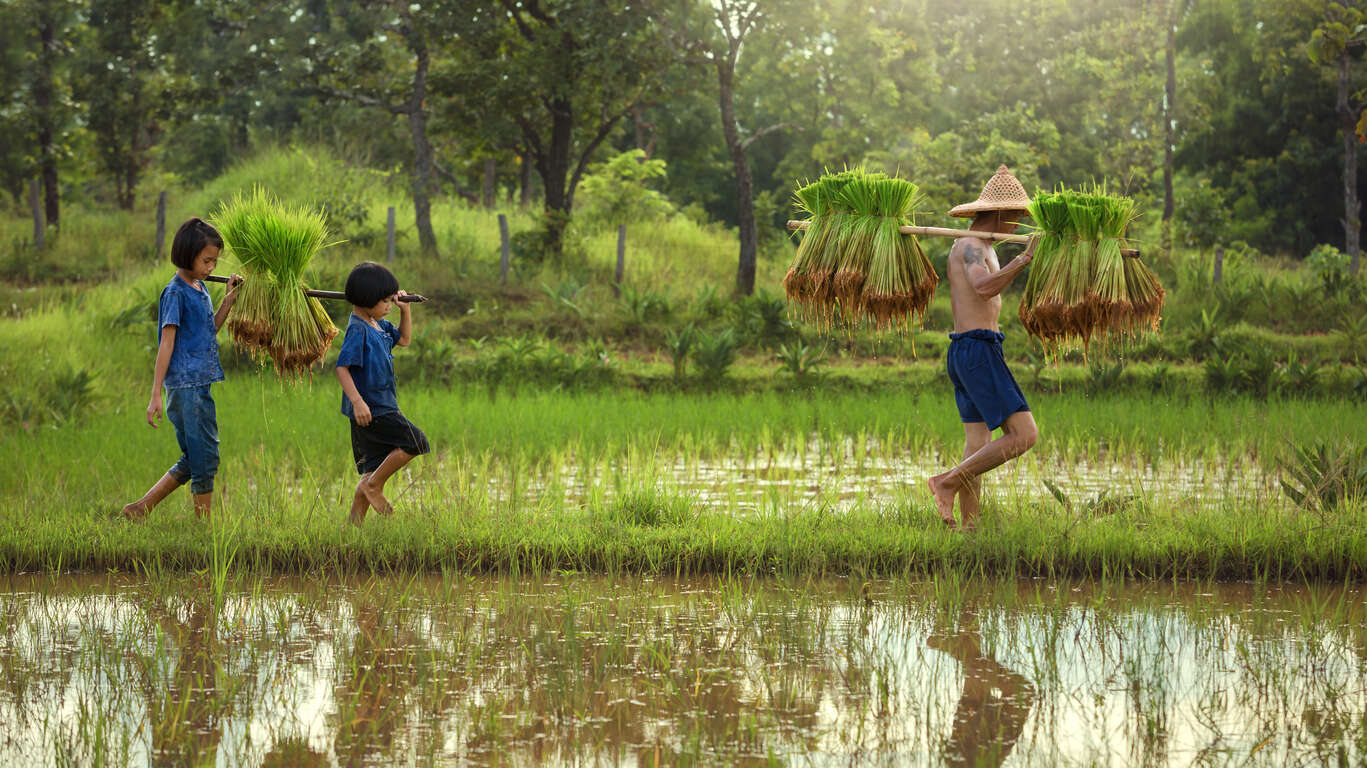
987	283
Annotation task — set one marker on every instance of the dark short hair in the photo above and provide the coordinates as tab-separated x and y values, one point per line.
369	284
193	236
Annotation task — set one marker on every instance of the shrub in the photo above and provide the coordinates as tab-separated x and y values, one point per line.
714	354
678	343
801	359
1323	476
1330	265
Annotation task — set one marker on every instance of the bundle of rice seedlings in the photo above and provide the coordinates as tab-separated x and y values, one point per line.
1080	284
1146	297
1109	286
900	280
859	228
1043	306
809	280
274	244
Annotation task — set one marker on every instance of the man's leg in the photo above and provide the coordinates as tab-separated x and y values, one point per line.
1019	434
976	435
359	504
373	487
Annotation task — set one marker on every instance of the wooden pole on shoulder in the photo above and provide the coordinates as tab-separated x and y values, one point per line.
946	232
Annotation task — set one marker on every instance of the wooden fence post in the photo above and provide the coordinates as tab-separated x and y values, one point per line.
36	205
505	249
1219	265
621	259
389	236
161	223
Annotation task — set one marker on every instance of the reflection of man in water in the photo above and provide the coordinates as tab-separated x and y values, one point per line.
993	706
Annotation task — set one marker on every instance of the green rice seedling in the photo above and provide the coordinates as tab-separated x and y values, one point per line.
1080	284
809	199
1042	307
274	244
901	280
859	196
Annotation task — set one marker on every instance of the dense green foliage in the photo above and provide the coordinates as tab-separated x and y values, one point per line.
1061	92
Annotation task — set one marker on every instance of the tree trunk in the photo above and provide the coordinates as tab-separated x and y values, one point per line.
47	120
1352	219
554	166
490	175
36	207
524	182
1169	131
423	160
745	203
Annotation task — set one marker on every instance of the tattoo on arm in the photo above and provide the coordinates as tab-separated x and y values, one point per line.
973	255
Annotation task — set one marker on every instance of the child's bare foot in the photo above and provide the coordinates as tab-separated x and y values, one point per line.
943	490
135	511
359	505
376	499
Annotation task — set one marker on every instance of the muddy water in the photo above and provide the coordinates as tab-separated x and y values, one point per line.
573	670
841	476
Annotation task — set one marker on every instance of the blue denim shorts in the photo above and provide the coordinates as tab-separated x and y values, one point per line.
191	411
984	388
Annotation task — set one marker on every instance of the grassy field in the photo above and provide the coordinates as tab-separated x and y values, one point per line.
553	481
559	417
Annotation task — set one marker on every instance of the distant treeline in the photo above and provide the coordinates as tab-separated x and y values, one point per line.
1236	116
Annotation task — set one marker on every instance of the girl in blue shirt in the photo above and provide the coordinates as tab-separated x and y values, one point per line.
382	440
187	363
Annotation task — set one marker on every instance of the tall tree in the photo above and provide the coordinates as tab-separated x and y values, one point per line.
362	67
116	85
733	22
1169	115
1339	42
50	23
14	166
566	72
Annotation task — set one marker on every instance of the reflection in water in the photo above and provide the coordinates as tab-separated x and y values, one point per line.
641	672
994	702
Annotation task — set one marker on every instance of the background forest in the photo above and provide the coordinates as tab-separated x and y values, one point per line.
110	101
689	124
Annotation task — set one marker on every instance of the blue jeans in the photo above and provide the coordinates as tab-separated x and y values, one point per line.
191	411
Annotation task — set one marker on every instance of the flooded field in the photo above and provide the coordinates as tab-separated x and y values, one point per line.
573	670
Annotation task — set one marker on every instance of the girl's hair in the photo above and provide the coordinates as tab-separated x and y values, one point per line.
193	236
369	284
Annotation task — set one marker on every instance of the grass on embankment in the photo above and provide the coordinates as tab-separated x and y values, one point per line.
497	495
654	533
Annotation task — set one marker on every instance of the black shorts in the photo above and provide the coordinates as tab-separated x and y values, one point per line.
372	443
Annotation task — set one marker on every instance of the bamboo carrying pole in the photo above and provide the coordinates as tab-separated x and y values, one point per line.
945	232
326	294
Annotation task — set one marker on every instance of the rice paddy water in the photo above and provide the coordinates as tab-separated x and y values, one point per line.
564	669
748	581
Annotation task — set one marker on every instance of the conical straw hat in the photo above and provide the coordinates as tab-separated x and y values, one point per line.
1002	193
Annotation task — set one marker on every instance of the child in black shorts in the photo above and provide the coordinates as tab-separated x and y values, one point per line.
382	440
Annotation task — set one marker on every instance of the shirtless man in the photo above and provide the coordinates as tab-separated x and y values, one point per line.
985	391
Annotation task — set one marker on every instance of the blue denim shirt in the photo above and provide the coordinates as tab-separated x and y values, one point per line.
369	354
194	358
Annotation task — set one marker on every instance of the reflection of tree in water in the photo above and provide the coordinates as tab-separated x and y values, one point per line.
993	704
377	678
185	712
595	680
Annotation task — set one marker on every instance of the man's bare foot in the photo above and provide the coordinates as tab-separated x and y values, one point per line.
376	499
944	491
135	511
359	505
